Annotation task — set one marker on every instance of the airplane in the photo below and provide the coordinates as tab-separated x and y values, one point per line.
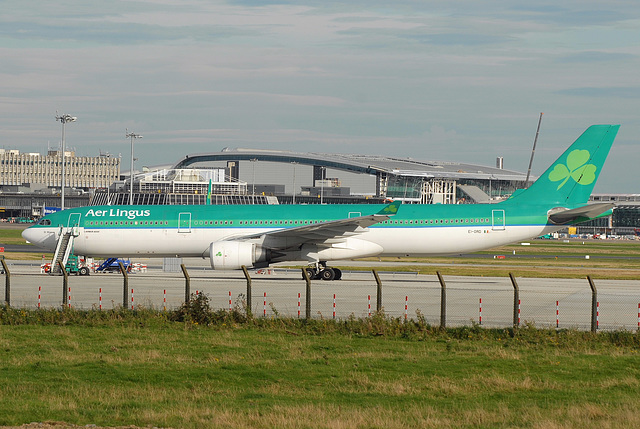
255	236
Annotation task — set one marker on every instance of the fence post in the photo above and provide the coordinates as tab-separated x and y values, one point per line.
516	301
187	283
594	305
443	301
65	283
125	286
246	276
305	274
7	282
378	291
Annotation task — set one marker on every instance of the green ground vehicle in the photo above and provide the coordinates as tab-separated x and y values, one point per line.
73	266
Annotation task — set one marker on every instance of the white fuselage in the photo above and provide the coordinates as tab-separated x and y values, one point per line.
194	242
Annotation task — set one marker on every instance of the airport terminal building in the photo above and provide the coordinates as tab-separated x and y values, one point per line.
313	178
29	182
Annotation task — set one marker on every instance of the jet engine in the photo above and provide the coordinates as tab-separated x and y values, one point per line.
232	255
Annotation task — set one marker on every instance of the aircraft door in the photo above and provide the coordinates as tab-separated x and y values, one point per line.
74	223
498	220
184	222
74	220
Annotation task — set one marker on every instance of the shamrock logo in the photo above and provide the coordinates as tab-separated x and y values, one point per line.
576	168
391	209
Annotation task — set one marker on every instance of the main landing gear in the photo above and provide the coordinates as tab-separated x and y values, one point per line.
320	271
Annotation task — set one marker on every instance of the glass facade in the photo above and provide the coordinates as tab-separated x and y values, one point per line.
404	187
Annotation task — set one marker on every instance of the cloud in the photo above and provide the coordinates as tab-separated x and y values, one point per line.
462	81
617	92
460	39
594	57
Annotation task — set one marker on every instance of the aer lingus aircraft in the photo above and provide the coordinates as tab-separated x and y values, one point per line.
256	236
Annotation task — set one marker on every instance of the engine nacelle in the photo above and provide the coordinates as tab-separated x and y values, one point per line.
232	255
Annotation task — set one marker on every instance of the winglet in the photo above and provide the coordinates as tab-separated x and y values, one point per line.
390	209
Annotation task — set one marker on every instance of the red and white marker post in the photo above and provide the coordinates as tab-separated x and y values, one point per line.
264	308
369	304
406	307
229	301
164	300
298	305
334	306
557	314
39	293
100	298
480	313
131	299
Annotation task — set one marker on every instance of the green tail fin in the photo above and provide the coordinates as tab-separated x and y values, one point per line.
570	180
390	209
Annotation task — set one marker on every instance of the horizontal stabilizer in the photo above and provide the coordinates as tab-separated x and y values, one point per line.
580	214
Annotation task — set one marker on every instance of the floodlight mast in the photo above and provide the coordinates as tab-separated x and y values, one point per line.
324	174
131	136
63	120
294	180
253	184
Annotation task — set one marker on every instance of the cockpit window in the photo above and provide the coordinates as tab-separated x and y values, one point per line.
44	222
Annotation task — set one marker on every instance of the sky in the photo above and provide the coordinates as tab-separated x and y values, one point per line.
431	80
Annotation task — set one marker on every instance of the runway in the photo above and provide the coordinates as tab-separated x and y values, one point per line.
355	295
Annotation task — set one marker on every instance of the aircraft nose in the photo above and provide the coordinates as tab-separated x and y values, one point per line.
30	235
38	237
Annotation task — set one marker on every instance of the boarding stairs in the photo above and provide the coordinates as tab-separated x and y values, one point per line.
63	249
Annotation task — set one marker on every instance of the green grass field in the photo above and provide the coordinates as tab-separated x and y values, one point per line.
11	233
147	369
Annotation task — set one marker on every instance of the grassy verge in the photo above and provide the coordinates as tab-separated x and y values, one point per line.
455	268
197	368
28	256
542	258
12	234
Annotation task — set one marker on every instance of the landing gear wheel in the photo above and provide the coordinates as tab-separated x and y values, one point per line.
311	273
328	274
83	271
338	272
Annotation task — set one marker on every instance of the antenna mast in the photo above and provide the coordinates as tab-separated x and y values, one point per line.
533	151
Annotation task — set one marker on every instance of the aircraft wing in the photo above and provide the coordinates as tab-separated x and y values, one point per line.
324	233
583	213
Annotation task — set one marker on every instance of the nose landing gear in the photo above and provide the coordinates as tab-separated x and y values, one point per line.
320	271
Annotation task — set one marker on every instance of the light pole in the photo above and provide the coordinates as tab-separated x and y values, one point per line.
294	181
253	182
324	173
131	136
63	120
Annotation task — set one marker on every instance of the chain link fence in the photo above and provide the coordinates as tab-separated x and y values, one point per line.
448	301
